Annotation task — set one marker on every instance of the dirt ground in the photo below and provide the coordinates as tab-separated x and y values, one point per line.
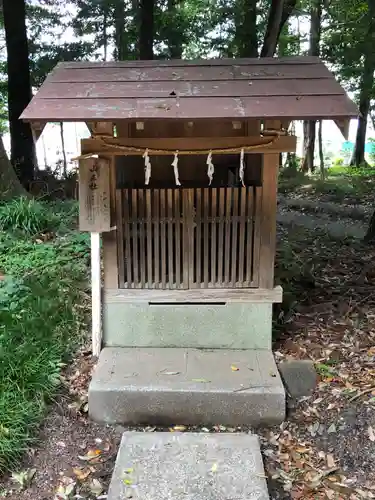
325	448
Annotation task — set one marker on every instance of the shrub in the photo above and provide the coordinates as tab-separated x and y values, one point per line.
42	311
27	215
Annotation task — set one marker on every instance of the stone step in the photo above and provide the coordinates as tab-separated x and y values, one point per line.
187	466
166	386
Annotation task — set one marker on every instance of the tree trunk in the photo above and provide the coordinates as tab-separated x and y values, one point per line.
367	82
321	154
314	50
120	46
279	13
273	28
105	31
174	35
246	28
366	88
19	89
372	113
10	185
146	29
309	133
65	165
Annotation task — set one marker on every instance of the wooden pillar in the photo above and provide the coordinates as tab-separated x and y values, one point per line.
96	310
268	220
110	260
96	208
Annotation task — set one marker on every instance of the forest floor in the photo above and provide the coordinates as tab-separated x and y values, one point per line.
325	448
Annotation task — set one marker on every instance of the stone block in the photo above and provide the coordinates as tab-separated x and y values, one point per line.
176	466
169	386
299	377
227	326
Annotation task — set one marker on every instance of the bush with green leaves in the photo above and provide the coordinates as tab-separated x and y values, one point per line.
21	257
27	215
42	313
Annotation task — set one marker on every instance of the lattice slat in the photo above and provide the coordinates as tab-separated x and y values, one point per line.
190	238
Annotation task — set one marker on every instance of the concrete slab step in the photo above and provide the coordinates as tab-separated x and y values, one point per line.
164	386
177	466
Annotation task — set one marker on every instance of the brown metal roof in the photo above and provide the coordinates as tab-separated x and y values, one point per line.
287	88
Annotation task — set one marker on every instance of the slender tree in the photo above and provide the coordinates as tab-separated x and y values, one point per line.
321	152
366	91
19	89
120	39
279	13
175	37
146	29
62	138
309	127
246	30
105	31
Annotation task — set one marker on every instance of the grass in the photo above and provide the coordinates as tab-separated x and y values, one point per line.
41	316
340	183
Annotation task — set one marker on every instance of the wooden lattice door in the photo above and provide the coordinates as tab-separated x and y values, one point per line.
189	238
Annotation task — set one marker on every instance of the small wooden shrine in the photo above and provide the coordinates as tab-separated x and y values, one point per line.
179	177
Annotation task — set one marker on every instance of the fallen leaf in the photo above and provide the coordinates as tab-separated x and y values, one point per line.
179	428
330	461
200	380
64	492
234	368
330	494
91	455
150	429
302	449
23	478
81	474
331	429
214	468
96	487
313	429
170	373
129	470
371	433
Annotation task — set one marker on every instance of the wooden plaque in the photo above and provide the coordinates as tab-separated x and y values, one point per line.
94	195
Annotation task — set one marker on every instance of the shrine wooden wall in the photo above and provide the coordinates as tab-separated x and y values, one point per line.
244	219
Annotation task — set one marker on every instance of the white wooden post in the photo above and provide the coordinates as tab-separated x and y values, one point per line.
96	313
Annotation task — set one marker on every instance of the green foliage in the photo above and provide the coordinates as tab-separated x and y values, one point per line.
21	257
341	182
324	370
27	215
343	39
41	316
339	162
